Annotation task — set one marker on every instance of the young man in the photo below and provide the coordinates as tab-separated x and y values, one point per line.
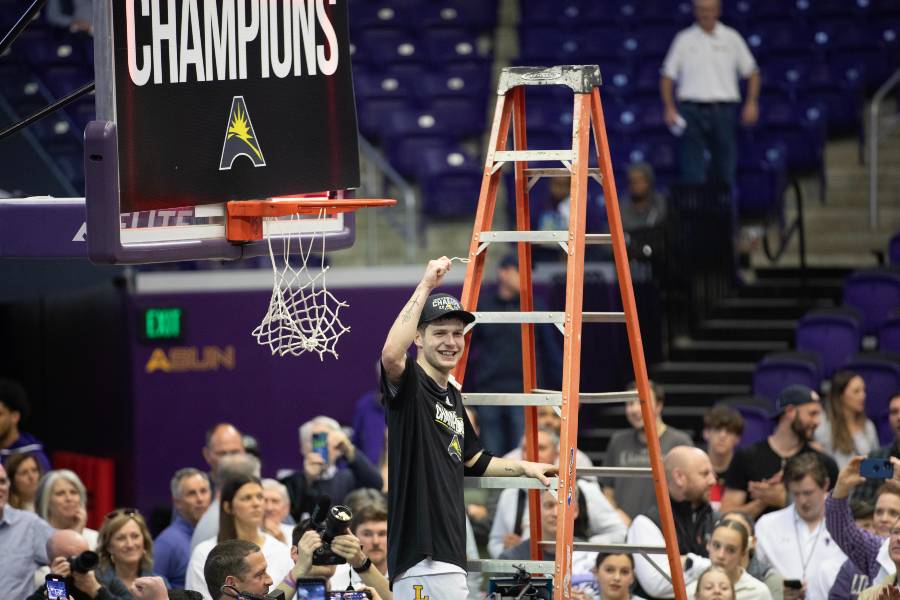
14	409
430	444
722	430
191	497
753	481
795	539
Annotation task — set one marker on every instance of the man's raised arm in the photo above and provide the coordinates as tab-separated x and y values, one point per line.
403	331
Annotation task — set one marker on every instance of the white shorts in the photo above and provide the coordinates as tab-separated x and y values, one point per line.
440	586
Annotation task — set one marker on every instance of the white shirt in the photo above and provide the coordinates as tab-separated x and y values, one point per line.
864	441
277	554
706	65
644	532
605	526
819	585
778	545
747	587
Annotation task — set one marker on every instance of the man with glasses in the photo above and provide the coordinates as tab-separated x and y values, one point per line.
23	544
887	589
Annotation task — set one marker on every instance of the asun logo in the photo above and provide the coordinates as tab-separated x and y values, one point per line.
240	137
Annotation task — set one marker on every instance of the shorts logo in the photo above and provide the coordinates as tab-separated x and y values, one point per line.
419	592
240	137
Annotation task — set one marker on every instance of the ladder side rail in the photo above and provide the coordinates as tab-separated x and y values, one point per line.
636	346
581	123
484	215
526	304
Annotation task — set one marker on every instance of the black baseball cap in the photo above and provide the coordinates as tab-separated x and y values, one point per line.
793	395
444	306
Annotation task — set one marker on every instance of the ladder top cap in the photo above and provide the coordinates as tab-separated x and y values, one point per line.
580	78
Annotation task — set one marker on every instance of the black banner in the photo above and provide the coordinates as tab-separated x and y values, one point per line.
222	100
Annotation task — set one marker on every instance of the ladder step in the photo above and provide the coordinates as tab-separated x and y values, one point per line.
598	397
545	237
546	399
615	471
507	483
613	548
501	156
580	78
557	172
496	565
558	318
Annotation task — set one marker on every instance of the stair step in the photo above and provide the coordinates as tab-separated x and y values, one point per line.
704	350
713	372
765	308
690	395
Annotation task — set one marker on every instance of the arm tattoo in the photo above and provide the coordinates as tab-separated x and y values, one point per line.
509	469
407	314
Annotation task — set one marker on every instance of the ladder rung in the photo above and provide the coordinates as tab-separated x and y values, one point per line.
546	237
513	399
532	155
597	397
613	548
615	471
506	483
603	317
557	172
496	565
546	317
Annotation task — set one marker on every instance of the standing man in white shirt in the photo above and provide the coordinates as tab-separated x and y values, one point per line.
705	60
795	540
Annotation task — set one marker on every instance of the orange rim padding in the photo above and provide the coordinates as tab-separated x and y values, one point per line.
244	218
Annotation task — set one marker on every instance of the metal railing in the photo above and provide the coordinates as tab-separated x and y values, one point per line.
877	131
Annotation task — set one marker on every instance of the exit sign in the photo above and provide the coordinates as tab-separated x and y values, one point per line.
162	324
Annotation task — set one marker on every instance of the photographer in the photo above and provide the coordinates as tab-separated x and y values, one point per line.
66	552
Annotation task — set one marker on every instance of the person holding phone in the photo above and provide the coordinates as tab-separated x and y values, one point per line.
71	582
431	444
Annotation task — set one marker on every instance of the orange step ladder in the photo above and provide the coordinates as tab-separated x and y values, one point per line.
584	81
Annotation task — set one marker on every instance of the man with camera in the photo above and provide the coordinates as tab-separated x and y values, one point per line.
431	444
71	558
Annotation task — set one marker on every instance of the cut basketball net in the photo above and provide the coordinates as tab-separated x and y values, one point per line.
303	315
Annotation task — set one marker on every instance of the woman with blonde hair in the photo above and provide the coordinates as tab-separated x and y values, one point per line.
24	472
62	501
845	430
125	548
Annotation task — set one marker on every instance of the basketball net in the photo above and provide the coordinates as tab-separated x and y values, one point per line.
303	316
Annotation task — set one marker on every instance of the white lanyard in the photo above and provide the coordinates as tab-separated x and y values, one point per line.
804	562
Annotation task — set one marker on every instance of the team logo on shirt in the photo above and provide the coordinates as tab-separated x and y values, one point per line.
454	449
449	419
419	592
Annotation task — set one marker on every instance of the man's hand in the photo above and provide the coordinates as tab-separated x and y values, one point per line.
342	444
435	271
81	522
375	595
769	493
313	466
87	583
347	546
60	566
272	527
477	512
670	115
792	594
540	471
848	478
309	543
750	113
150	588
889	593
510	540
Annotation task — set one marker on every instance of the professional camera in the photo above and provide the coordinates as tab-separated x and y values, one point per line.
329	522
520	585
85	562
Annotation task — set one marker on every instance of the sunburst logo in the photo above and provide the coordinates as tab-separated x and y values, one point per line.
239	137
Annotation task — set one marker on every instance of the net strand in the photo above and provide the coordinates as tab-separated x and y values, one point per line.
303	315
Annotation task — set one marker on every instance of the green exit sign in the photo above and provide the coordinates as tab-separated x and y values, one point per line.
162	323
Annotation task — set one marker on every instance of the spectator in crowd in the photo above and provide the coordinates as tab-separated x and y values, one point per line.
369	525
714	584
753	482
690	477
749	561
236	564
511	523
728	544
628	448
320	477
229	467
645	208
222	439
14	408
614	577
24	473
277	521
368	423
868	551
62	501
240	517
548	420
845	431
125	549
63	545
357	499
705	60
23	539
582	562
555	217
496	365
722	430
867	489
886	588
842	579
794	539
77	16
172	549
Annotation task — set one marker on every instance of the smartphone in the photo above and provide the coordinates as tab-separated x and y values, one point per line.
320	445
311	588
56	587
349	596
876	468
793	584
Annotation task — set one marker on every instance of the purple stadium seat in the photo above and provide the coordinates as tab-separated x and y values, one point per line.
554	14
389	46
374	114
875	293
834	336
894	249
366	16
885	431
464	116
454	48
774	374
470	15
761	179
451	182
882	377
889	334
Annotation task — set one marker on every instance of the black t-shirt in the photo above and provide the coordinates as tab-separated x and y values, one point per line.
429	439
758	461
